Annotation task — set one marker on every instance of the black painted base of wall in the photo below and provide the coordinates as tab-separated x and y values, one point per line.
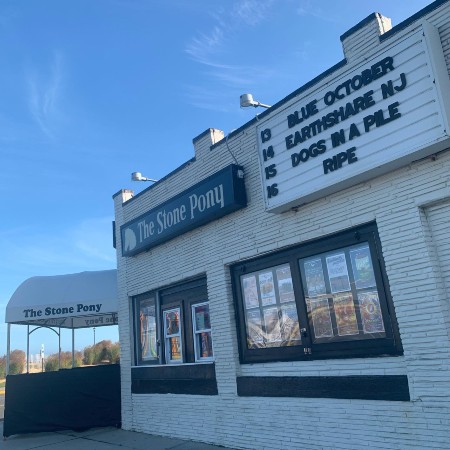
195	379
376	387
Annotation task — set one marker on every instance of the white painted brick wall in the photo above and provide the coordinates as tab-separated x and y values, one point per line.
398	202
366	37
124	323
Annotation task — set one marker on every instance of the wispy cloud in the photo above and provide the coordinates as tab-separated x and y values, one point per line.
212	50
303	53
202	47
239	75
44	94
93	238
208	96
313	9
205	47
251	12
86	246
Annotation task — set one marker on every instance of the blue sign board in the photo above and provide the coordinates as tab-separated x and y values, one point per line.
216	196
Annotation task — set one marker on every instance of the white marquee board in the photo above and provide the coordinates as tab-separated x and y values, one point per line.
375	117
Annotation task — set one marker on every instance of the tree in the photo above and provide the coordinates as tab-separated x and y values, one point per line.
90	355
51	363
3	366
17	361
102	352
115	353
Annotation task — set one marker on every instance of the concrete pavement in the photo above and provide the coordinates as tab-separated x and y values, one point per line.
108	438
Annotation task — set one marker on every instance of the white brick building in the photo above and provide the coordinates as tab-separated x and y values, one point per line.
328	293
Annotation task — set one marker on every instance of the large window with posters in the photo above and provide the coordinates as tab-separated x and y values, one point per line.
324	299
173	326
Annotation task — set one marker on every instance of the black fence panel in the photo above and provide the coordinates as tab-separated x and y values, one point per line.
70	399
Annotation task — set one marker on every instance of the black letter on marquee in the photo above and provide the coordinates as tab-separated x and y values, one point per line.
269	153
354	132
271	171
338	138
328	165
388	89
403	83
351	157
265	135
272	190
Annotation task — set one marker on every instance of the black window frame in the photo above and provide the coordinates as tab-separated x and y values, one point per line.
390	345
183	295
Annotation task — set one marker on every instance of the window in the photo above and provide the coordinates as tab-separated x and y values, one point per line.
148	350
342	304
172	336
271	317
173	326
202	332
324	299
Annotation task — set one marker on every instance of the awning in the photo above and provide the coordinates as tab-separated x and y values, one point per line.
79	300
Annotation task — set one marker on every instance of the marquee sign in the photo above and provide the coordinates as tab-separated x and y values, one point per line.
65	315
376	116
66	320
212	198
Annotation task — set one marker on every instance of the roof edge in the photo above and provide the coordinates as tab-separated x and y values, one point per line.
418	15
190	161
359	25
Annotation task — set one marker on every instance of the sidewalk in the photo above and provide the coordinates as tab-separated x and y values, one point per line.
108	438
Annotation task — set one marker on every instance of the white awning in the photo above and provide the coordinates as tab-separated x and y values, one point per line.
79	300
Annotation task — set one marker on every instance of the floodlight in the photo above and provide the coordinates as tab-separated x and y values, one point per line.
247	100
137	176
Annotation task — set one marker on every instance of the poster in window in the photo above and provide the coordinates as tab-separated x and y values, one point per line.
285	286
315	281
338	273
290	328
172	322
267	288
250	292
202	320
148	330
174	349
321	318
255	333
272	324
362	267
205	344
371	316
344	309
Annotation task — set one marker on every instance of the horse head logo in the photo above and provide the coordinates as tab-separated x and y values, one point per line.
130	240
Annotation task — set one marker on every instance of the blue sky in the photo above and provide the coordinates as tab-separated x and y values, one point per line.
91	91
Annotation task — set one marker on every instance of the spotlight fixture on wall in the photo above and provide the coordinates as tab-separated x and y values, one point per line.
247	100
137	176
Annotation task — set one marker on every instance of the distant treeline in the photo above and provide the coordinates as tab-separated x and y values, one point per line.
104	352
17	362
